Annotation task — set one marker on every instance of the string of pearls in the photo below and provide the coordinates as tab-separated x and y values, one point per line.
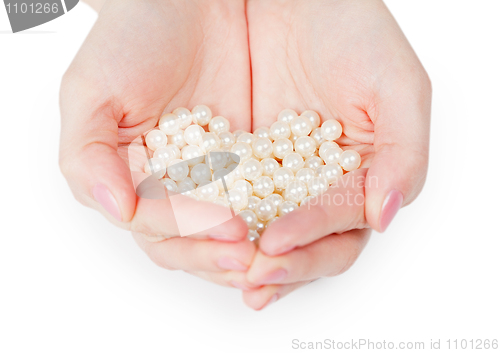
268	174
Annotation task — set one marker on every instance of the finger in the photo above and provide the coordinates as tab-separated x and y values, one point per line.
328	256
233	279
401	119
339	209
198	255
262	297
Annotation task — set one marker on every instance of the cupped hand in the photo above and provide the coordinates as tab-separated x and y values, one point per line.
141	58
347	60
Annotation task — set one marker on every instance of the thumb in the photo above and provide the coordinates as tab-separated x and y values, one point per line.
398	170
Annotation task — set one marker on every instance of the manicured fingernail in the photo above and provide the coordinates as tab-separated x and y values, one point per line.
390	207
105	198
238	285
274	277
272	300
228	263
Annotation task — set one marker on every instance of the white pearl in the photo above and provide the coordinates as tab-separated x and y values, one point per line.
221	201
276	199
216	159
266	209
236	173
252	202
263	186
331	129
253	235
188	192
169	184
286	207
262	147
201	115
246	137
272	220
313	162
227	176
209	141
306	200
316	135
156	139
252	169
305	174
218	124
192	135
227	139
269	165
313	118
332	155
232	166
305	146
317	185
200	173
250	219
296	191
169	124
326	145
331	172
262	132
155	166
350	160
282	147
185	116
177	169
261	226
177	139
244	186
294	161
208	191
282	177
186	184
243	150
238	132
301	126
280	130
192	155
287	115
167	153
237	199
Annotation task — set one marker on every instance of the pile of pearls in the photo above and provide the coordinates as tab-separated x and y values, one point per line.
267	175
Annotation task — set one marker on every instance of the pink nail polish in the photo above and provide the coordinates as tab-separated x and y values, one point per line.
272	300
390	207
228	263
105	198
238	285
274	277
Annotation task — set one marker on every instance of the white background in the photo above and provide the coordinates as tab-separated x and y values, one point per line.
71	282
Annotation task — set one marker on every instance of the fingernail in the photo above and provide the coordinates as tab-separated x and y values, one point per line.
228	263
238	285
274	277
390	207
272	300
105	198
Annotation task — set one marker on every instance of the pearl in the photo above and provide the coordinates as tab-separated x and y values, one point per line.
331	129
177	139
238	132
305	174
263	186
276	199
301	126
280	130
218	124
201	115
286	207
287	115
272	220
186	184
209	141
317	185
200	173
294	161
208	191
350	160
169	124
252	202
221	201
266	210
188	192
237	199
282	147
252	169
236	173
232	166
313	162
262	147
177	170
313	117
227	139
332	155
262	132
326	145
223	174
296	191
331	172
192	135
192	155
261	226
156	139
216	159
306	200
246	137
282	177
316	136
167	153
253	235
244	186
243	150
185	117
269	165
169	184
250	219
305	146
155	166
